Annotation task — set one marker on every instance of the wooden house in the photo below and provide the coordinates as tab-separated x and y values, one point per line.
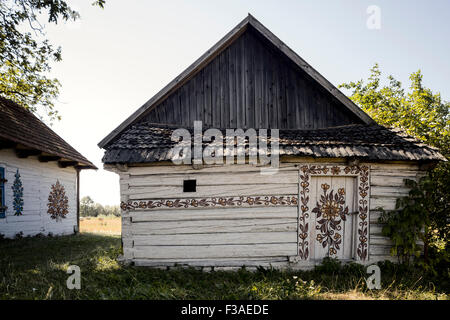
39	176
337	166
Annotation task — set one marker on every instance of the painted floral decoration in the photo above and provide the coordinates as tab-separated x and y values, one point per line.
330	211
17	194
58	203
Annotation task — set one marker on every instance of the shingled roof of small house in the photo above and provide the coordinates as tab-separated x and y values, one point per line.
150	142
21	127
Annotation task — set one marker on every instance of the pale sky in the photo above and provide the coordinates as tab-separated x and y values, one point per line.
115	59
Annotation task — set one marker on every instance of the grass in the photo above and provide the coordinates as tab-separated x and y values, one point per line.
35	268
102	224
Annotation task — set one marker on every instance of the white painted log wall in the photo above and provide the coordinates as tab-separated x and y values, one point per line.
234	237
37	178
219	235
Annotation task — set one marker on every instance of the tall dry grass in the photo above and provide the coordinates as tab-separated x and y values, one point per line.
101	224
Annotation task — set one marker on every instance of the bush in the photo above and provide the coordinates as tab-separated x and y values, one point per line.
423	215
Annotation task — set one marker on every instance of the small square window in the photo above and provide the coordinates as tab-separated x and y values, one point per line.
189	185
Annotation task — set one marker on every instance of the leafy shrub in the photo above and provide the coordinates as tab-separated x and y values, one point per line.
422	216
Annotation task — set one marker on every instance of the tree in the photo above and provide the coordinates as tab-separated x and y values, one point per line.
420	112
87	207
423	114
26	56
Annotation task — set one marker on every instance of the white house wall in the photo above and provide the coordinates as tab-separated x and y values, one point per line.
168	233
37	179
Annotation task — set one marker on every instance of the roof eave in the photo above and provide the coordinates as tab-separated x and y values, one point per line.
80	164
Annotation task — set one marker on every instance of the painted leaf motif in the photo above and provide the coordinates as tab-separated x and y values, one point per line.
331	210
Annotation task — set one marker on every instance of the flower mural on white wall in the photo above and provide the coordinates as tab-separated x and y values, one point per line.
17	194
58	202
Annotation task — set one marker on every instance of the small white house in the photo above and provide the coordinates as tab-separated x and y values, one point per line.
39	176
336	165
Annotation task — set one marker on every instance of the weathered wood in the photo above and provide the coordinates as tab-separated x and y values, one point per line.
383	202
186	169
206	179
217	262
255	59
215	226
214	239
212	227
214	214
388	191
215	251
137	193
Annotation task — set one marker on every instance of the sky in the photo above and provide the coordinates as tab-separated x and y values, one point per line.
116	59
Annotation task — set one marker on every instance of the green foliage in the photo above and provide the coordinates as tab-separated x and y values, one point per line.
26	56
409	222
425	213
35	268
89	208
420	112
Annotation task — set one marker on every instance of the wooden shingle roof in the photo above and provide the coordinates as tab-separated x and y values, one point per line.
146	143
22	130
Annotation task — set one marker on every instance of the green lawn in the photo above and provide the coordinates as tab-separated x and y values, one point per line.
35	268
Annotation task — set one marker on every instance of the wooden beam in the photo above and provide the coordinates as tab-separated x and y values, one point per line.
25	153
48	158
65	164
79	167
78	200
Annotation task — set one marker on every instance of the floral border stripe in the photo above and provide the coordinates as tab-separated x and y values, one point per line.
211	202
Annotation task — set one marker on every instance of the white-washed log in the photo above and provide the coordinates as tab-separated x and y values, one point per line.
207	179
215	251
214	239
138	193
215	226
224	213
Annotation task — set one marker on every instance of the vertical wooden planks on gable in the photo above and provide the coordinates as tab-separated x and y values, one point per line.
250	97
266	92
240	92
199	95
251	84
215	93
232	86
226	90
207	115
257	64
